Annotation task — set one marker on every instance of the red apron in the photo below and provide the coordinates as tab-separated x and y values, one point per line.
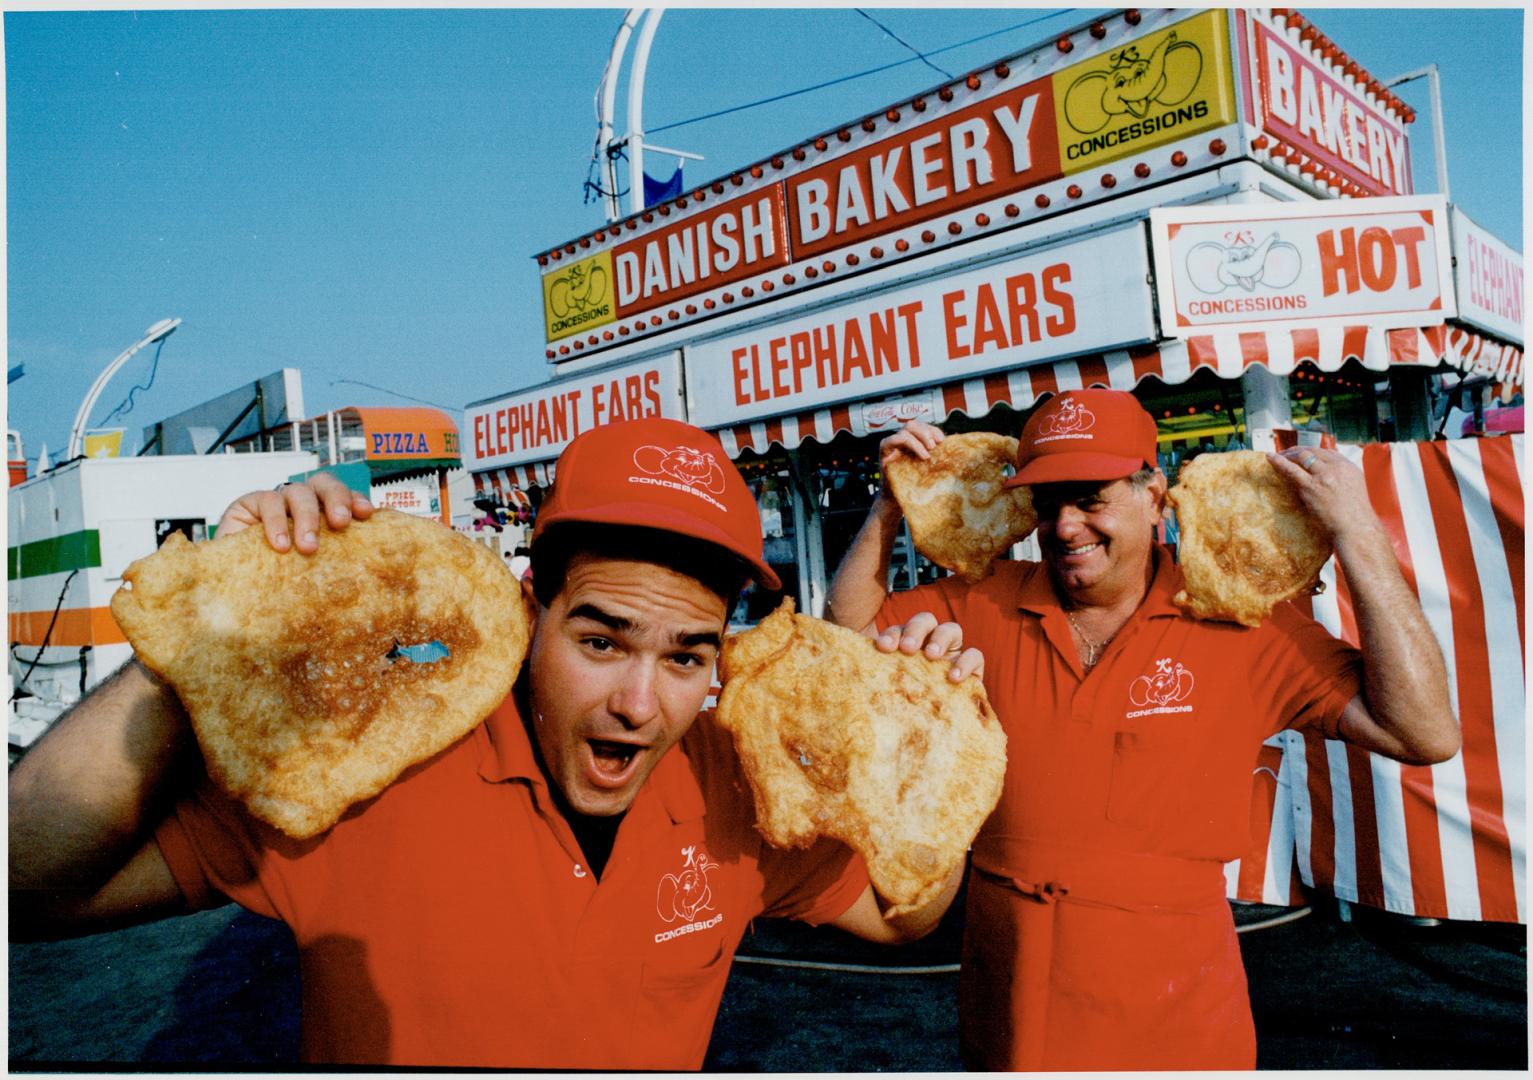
1074	960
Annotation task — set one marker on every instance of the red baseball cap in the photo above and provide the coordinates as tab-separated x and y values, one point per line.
658	474
1085	435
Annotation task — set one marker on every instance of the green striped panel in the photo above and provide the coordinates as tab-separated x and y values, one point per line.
55	555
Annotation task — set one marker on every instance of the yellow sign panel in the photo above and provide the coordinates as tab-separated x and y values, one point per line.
104	444
579	296
1163	87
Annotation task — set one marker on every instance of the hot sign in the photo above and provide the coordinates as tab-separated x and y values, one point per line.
1380	261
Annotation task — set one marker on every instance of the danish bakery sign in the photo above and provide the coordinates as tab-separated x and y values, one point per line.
1305	105
1073	298
1383	262
719	245
536	424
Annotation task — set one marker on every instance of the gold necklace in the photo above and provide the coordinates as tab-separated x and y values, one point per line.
1093	648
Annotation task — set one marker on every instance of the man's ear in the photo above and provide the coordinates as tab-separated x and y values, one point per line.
1157	488
533	607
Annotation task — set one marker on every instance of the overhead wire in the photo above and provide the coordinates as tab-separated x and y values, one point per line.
919	54
858	75
126	405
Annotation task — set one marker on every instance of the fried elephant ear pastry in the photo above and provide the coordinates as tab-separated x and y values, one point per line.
879	750
297	670
1247	543
960	516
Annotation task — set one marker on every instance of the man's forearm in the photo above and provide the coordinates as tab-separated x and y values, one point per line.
1405	681
862	580
84	798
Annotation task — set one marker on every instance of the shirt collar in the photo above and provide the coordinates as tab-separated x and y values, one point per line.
508	755
1037	595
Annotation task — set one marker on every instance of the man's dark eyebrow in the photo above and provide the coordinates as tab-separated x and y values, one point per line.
619	625
612	622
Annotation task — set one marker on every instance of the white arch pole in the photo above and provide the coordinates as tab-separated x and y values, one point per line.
636	111
606	106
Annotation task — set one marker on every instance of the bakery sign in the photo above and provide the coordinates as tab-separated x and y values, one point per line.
535	424
1068	299
1488	274
1302	103
1382	261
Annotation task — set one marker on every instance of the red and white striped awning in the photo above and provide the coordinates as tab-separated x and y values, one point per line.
1172	362
501	482
1476	355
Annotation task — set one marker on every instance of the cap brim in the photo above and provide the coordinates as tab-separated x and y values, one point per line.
650	516
1066	468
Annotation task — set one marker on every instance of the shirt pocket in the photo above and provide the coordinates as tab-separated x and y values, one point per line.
1149	774
676	1008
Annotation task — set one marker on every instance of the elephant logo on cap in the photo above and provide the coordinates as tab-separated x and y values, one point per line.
1070	418
1168	684
685	464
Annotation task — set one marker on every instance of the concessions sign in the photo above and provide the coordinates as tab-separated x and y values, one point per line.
1379	261
1074	298
1302	103
1489	279
536	424
1160	88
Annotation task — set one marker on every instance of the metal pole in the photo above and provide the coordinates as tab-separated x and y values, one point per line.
636	110
606	106
1439	146
77	432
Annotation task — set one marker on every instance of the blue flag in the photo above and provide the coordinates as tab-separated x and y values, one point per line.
658	191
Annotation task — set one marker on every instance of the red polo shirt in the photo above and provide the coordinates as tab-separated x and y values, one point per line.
1097	934
451	920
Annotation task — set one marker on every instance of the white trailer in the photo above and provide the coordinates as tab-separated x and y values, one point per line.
72	532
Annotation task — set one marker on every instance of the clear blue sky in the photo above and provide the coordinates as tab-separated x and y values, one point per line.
358	193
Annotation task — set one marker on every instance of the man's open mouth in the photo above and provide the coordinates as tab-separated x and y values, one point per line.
611	761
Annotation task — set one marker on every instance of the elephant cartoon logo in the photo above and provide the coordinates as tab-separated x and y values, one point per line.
684	464
1133	84
1169	683
681	896
1069	419
577	290
1213	267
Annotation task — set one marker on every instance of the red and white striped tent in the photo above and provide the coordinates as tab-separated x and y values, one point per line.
1447	840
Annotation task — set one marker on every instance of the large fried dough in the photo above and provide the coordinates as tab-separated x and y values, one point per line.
879	750
282	659
960	516
1247	543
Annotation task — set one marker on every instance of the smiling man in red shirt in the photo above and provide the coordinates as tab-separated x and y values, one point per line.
566	886
1097	935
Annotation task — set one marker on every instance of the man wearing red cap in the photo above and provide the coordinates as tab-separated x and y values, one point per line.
1097	932
566	886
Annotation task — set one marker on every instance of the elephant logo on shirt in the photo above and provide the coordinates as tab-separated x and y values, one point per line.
1166	685
1070	418
681	896
685	464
